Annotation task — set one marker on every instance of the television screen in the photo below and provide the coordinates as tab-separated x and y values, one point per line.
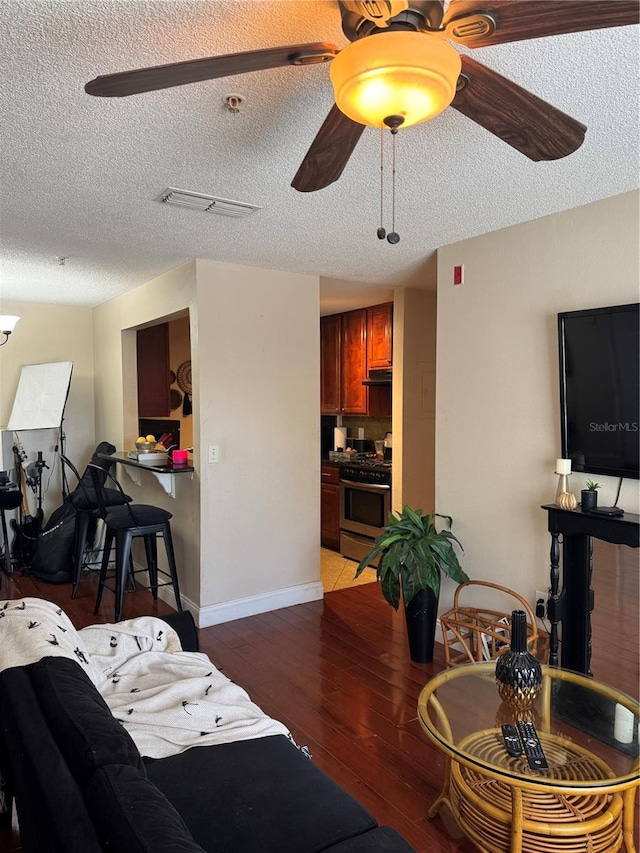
599	409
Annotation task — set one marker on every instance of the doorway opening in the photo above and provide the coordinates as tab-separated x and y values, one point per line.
163	352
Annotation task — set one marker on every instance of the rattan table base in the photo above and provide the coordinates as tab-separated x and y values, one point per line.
502	817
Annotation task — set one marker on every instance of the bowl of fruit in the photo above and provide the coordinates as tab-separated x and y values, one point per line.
146	443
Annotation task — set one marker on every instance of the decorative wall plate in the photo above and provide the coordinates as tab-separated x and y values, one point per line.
176	399
184	376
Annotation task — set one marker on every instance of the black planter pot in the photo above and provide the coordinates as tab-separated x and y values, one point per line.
421	614
588	499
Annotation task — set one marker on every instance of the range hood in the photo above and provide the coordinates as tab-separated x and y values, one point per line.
382	376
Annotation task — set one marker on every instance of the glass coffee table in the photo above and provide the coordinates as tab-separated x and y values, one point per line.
589	735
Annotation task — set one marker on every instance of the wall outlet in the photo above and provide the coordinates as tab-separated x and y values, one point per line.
540	608
214	453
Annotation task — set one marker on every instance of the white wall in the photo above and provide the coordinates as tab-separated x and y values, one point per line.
50	333
498	427
259	390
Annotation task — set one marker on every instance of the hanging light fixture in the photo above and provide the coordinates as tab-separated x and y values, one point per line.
7	325
395	74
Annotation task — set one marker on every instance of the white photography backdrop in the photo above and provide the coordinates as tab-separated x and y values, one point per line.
35	425
41	396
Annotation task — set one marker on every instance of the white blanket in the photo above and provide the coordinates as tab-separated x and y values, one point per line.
167	699
31	628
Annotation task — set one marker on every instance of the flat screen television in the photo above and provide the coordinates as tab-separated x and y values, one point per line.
599	409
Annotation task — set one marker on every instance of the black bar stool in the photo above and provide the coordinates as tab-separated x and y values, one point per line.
83	499
124	524
10	497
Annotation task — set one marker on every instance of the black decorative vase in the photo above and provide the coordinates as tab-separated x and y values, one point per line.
588	499
518	673
421	614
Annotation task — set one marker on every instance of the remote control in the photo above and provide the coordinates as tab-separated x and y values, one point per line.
531	746
511	741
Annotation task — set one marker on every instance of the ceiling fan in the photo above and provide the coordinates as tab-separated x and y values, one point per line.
408	42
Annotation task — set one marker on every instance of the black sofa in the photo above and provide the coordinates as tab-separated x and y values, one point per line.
80	784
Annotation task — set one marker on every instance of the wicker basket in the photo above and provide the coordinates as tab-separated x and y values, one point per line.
472	634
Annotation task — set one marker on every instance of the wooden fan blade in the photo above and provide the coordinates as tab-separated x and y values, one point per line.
522	120
516	20
195	70
329	152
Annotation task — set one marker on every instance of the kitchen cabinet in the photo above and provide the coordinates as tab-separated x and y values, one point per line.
351	344
343	363
380	336
330	362
329	507
152	346
355	399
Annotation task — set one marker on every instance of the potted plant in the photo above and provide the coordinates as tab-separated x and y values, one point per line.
589	495
411	555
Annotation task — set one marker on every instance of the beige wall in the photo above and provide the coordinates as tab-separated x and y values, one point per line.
114	325
498	427
246	529
51	333
414	366
259	374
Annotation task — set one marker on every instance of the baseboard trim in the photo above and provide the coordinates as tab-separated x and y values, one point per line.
227	611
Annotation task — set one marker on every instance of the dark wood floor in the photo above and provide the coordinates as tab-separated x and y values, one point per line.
338	673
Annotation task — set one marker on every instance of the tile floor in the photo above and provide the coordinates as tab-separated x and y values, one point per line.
337	571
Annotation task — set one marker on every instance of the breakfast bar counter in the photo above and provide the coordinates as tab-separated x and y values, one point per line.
164	472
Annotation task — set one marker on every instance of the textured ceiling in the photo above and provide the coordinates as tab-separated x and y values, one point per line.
79	176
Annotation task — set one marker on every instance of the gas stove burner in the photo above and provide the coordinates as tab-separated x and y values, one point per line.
369	461
367	469
375	463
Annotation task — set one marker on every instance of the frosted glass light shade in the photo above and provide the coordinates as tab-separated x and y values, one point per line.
8	323
404	74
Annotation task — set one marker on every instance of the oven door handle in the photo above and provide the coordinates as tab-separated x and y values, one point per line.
367	487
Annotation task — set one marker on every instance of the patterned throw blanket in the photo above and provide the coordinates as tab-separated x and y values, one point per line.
168	700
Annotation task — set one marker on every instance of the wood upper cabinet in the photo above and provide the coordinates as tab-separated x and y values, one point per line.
380	336
351	344
355	398
153	372
330	362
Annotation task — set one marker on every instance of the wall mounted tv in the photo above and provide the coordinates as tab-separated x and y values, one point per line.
599	409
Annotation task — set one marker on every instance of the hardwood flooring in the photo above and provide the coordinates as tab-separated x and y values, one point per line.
338	673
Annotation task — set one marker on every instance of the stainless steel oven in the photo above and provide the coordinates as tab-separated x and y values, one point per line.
365	503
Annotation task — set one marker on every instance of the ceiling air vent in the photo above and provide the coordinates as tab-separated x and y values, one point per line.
207	203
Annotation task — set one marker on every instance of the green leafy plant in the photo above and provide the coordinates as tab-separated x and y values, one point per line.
412	554
591	486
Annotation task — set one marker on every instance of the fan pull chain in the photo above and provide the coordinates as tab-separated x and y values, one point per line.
393	236
381	231
393	123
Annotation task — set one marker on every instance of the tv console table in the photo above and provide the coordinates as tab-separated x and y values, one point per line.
572	605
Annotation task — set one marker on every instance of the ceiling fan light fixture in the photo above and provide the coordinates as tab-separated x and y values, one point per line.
396	73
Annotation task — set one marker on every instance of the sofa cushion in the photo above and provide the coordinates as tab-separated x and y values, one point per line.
261	795
49	804
84	727
183	624
131	815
